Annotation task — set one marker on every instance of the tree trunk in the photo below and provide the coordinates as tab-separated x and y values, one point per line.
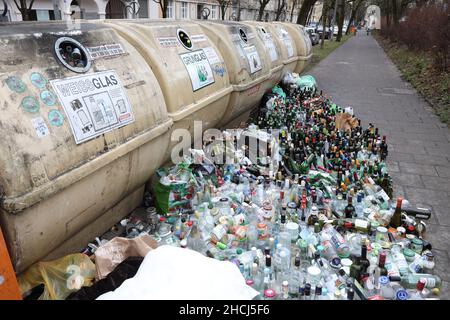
261	10
292	10
395	11
304	10
280	7
341	9
355	8
324	17
388	13
223	10
238	18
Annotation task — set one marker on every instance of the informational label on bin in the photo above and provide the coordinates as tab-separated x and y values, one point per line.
40	126
289	47
199	68
253	59
270	46
107	50
212	55
94	104
168	42
198	38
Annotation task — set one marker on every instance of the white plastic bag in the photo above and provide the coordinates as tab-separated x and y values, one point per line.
171	273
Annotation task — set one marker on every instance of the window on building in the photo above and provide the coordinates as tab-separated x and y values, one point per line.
170	9
143	9
214	12
184	10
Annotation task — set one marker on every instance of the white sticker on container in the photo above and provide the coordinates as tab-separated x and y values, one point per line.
40	126
212	55
270	47
198	38
253	58
199	69
107	50
168	42
94	104
289	47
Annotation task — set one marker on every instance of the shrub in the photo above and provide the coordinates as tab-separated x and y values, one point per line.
425	28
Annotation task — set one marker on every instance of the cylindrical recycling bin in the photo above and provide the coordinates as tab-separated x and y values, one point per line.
248	66
276	36
84	125
188	66
302	43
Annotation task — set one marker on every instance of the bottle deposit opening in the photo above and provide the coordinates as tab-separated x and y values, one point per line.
243	35
72	55
184	39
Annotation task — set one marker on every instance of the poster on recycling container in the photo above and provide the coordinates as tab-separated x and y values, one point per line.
94	104
199	69
270	46
253	59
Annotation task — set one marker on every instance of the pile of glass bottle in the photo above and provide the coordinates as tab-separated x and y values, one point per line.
322	227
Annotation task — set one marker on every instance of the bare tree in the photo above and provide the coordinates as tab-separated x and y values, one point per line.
395	14
164	4
24	9
281	4
304	10
355	7
262	6
294	3
324	21
223	4
340	20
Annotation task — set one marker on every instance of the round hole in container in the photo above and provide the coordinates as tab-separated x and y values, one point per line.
72	54
184	39
243	35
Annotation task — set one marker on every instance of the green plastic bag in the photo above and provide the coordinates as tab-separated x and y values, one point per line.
277	90
307	82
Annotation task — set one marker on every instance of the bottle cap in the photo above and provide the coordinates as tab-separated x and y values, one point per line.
421	284
239	251
335	263
183	243
269	293
402	295
408	253
384	280
249	282
221	246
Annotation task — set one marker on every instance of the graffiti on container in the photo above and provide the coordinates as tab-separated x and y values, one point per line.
38	80
56	118
48	97
15	84
40	127
219	70
30	104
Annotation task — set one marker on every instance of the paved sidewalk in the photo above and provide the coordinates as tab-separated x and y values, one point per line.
360	75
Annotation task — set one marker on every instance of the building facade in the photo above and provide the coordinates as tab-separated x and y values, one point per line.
44	10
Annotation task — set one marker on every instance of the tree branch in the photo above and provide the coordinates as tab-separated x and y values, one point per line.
31	4
18	7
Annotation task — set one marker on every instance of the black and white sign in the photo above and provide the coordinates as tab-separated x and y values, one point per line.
199	69
94	104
